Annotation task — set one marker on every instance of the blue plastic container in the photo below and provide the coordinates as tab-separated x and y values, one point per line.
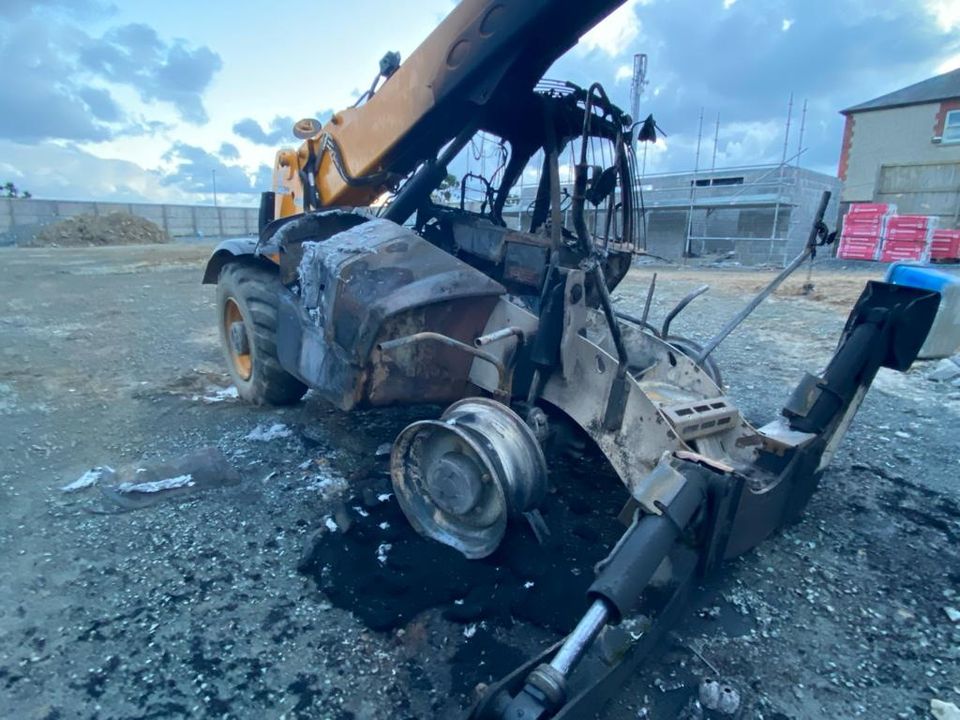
944	338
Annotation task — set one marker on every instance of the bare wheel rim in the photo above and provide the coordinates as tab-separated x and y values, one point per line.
237	339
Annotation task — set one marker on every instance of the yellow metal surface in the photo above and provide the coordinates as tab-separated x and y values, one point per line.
242	362
367	134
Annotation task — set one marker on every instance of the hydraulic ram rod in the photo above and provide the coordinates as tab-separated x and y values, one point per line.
735	321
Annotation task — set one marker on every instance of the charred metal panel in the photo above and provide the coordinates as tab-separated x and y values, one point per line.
481	238
525	263
287	236
375	282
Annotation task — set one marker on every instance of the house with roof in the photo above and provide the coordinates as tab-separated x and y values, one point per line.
904	148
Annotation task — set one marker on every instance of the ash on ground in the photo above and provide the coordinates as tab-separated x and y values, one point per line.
194	606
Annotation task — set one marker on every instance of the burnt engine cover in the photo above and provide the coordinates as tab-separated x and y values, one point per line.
375	282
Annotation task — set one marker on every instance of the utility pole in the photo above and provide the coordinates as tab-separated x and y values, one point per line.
637	84
214	173
716	141
783	162
693	191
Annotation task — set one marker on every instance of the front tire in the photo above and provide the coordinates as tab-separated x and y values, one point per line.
247	318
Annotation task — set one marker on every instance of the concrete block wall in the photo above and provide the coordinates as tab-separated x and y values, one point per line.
21	219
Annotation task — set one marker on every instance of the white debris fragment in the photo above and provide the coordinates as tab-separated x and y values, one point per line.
944	710
470	630
458	602
722	699
528	584
262	433
383	449
382	553
327	487
331	524
305	464
220	395
946	370
952	613
903	435
384	525
383	497
88	479
360	511
156	485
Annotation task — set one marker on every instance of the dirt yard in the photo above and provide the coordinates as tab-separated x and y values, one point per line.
195	607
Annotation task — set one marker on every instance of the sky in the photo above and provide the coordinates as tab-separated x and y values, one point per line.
146	101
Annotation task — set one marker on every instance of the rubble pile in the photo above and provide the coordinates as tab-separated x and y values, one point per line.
88	230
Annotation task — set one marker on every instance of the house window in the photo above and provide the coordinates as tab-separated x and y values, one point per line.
951	127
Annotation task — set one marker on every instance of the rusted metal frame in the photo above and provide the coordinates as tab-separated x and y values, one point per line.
503	377
616	404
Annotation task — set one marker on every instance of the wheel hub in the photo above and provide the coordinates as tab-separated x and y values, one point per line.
238	338
454	482
459	478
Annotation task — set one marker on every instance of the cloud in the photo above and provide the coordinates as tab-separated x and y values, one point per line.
194	169
229	151
59	82
101	103
945	12
279	130
51	170
615	32
738	60
951	63
135	55
17	9
624	72
67	172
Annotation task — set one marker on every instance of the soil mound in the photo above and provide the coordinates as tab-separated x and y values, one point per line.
89	230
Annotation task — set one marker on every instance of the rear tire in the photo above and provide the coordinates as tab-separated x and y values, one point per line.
247	318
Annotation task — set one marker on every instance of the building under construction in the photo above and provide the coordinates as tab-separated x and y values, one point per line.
753	215
757	215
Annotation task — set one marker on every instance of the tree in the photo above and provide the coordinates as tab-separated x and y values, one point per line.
10	190
444	192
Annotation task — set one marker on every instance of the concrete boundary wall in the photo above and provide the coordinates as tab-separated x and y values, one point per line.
21	219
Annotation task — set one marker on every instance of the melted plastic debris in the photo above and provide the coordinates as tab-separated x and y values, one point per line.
331	524
88	479
156	485
382	551
262	433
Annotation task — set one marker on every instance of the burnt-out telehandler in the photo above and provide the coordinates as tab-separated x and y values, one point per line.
364	289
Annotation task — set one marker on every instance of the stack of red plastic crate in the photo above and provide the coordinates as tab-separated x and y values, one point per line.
945	245
907	237
863	228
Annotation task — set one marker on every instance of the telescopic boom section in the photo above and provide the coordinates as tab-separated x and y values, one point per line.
481	55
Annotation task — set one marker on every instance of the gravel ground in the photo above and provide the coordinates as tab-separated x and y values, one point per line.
194	607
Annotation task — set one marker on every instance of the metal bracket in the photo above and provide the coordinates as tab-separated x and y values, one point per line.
659	487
